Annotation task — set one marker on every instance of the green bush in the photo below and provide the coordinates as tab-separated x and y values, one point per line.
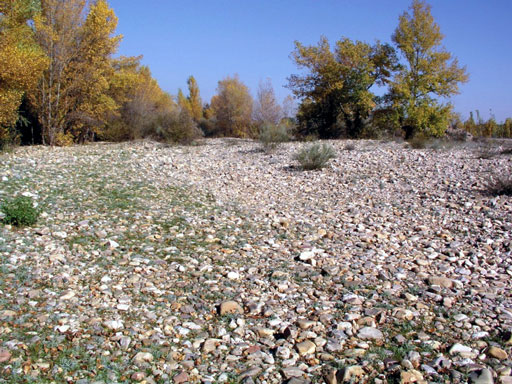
315	156
19	212
272	135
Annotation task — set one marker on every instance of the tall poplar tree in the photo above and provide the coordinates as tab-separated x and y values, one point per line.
430	73
72	98
21	62
194	99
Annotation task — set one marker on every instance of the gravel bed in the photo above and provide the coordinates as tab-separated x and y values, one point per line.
221	263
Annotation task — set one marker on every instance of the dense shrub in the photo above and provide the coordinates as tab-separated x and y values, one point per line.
315	156
272	135
177	127
419	141
19	212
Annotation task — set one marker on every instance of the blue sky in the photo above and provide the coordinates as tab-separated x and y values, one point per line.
211	39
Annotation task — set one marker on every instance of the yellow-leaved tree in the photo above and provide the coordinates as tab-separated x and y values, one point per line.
192	104
194	99
21	62
72	99
232	108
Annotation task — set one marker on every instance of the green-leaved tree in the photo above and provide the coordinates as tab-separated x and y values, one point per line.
335	90
430	74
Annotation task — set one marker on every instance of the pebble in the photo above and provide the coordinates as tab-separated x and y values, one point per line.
370	333
4	355
181	377
353	373
290	372
68	295
306	348
498	353
482	377
441	281
230	307
462	350
142	357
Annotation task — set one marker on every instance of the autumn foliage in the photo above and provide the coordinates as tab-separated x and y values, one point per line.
21	63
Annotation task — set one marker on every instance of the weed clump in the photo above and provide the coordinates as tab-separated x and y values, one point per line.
272	135
19	212
419	141
315	156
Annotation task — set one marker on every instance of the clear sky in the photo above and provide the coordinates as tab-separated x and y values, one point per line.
211	39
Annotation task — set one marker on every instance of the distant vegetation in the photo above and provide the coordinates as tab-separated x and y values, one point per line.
61	84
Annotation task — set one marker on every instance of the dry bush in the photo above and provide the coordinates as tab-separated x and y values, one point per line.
315	156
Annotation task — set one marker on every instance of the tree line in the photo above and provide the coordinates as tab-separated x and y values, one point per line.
60	83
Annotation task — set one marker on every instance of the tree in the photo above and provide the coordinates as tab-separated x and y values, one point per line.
72	99
183	101
430	73
145	109
289	108
335	93
191	104
92	69
232	108
140	99
266	108
21	62
194	99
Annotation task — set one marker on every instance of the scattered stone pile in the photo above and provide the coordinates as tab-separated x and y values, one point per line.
222	264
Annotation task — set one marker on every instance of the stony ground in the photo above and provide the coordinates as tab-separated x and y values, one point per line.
223	264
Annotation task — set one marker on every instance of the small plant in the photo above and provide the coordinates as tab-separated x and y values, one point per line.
272	135
501	185
419	141
315	156
19	212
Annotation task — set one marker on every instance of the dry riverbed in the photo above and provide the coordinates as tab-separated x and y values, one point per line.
220	263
